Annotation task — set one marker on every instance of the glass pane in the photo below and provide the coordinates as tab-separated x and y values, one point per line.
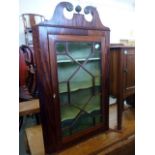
60	47
79	74
75	47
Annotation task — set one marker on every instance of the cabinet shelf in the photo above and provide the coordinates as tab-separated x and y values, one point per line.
80	59
75	86
88	102
69	112
86	120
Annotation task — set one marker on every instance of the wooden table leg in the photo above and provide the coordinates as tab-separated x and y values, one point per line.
119	113
20	122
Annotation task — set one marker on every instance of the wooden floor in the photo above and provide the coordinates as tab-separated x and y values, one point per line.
110	143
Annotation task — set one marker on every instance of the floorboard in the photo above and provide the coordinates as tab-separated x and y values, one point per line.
109	143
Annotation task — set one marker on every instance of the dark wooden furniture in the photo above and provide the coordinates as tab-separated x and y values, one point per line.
72	57
122	75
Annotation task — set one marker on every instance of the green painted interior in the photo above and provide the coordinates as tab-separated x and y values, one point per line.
79	75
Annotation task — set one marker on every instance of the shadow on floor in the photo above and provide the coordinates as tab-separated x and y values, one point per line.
28	121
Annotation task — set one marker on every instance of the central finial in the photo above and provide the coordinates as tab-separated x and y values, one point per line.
78	9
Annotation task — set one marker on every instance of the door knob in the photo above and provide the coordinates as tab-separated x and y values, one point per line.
125	52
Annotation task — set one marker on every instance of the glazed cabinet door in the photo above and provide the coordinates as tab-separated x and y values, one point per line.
79	83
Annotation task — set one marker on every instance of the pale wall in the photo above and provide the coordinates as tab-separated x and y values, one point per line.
116	14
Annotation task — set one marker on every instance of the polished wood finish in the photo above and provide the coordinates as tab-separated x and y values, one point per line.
122	75
111	142
78	20
124	147
44	36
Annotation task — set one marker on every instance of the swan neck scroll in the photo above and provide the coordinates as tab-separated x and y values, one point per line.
78	19
58	13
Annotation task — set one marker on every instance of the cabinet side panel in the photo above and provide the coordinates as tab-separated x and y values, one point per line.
113	71
129	72
45	81
105	57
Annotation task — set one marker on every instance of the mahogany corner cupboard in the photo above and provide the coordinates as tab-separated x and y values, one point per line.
72	58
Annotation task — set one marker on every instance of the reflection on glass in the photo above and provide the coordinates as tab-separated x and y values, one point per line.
79	75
